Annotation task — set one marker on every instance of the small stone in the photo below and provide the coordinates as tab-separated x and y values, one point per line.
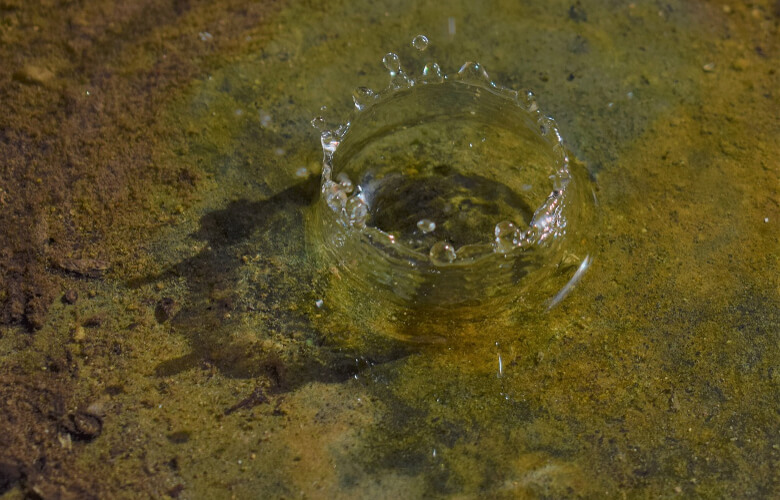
79	334
709	67
83	426
70	296
94	321
165	310
33	75
740	64
89	268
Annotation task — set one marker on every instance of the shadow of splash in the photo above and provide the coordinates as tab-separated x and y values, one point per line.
250	295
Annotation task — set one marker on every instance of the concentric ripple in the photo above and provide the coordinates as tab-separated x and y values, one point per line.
449	191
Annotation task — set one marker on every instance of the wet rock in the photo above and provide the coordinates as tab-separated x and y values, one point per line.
83	425
179	437
33	75
176	491
577	13
94	321
70	296
89	268
165	310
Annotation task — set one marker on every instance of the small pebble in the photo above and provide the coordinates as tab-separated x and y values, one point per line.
79	334
709	67
33	75
165	310
70	297
740	64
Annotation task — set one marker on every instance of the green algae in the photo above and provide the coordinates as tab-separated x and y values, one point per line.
656	377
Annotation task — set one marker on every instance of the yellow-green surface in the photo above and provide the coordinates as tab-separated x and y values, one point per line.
659	376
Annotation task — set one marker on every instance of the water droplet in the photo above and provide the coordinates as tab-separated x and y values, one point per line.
392	63
357	211
472	72
426	226
432	74
318	123
420	42
507	236
362	96
345	182
546	124
442	253
330	141
529	101
335	197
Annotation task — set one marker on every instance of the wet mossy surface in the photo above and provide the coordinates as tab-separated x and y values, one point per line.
167	332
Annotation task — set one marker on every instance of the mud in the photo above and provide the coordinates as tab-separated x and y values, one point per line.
81	92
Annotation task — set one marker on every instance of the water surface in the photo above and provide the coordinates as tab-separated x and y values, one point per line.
657	376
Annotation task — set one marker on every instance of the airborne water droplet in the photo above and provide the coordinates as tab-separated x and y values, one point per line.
420	42
442	253
392	63
426	226
319	123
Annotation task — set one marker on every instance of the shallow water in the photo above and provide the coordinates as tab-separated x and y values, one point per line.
278	376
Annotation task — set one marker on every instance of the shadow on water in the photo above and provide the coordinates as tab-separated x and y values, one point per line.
250	291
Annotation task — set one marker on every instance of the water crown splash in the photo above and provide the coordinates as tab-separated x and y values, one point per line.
450	190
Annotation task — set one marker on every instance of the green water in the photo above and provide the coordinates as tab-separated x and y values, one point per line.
656	377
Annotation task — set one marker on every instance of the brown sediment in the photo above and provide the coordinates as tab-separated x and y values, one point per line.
80	124
80	94
218	376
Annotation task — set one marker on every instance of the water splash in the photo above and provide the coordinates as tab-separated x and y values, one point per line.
447	190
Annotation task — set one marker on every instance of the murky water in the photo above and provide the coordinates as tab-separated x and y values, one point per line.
466	299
